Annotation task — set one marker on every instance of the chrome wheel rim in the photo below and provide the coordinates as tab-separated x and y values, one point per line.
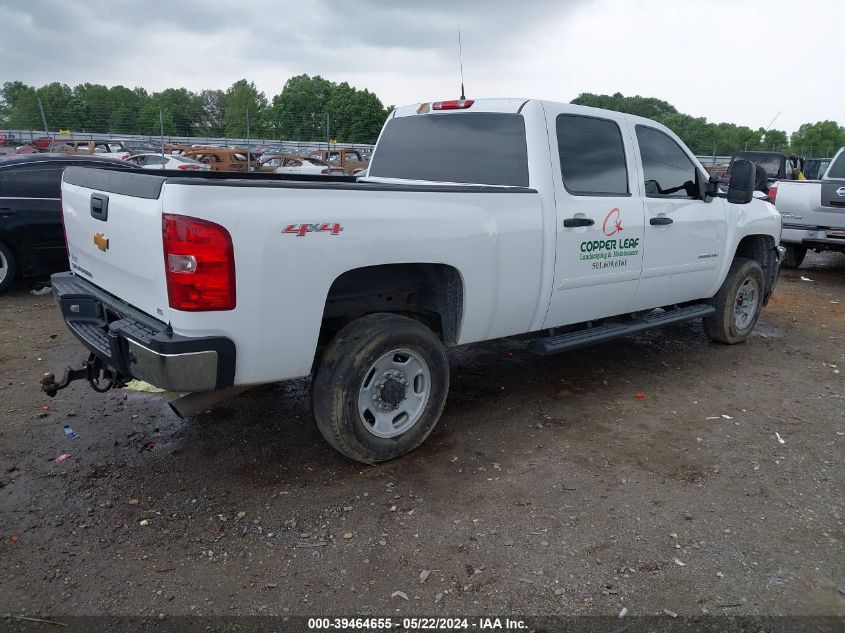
745	305
4	268
394	393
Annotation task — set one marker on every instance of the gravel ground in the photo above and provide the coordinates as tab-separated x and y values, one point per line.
547	488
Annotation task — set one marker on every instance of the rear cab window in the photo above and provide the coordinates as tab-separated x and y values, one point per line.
485	148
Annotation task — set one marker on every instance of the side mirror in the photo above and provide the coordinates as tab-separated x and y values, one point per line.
743	179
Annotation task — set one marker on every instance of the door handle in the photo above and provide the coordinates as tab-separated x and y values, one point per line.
660	221
571	223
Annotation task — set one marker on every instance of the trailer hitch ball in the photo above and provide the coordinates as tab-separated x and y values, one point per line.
48	384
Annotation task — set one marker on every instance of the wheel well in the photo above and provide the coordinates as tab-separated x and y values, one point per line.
757	247
762	249
430	293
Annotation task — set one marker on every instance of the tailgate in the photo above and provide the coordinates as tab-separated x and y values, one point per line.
826	206
113	226
811	204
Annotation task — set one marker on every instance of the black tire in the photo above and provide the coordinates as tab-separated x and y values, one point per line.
794	256
348	361
11	268
723	326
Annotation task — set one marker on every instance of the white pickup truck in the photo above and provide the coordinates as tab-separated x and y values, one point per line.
558	224
813	212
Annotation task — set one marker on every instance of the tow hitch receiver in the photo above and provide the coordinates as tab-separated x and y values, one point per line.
100	377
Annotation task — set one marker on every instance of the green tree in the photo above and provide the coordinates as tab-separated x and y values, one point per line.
100	102
184	108
213	112
149	120
773	139
24	114
10	95
241	98
55	99
818	139
307	104
648	107
356	116
299	111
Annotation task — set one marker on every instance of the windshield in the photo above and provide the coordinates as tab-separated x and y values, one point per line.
485	148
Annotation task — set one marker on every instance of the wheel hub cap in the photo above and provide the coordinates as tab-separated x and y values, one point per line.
745	305
391	390
394	393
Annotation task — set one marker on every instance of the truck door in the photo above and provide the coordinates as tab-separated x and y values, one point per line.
599	221
684	235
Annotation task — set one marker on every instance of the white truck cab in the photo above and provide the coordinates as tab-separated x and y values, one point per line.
479	219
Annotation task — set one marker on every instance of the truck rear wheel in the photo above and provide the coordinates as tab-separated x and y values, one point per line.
738	303
380	387
8	268
794	256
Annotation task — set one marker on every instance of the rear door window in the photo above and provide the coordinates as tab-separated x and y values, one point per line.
592	156
32	181
486	148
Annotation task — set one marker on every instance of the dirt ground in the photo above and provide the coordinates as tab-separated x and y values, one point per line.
547	488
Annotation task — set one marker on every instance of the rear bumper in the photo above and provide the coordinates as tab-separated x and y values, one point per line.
815	237
824	243
137	346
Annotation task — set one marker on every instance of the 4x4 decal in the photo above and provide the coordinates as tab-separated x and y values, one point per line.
301	230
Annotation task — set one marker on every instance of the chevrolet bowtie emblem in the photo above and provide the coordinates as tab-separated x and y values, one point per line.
101	241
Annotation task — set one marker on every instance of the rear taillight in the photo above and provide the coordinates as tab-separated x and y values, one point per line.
200	264
187	166
125	157
773	193
454	104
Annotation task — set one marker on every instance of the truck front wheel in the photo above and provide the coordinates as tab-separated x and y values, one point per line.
738	303
380	387
794	256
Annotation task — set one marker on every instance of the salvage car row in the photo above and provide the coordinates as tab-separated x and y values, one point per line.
337	161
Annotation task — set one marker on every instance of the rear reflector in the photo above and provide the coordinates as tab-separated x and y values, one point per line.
199	263
455	104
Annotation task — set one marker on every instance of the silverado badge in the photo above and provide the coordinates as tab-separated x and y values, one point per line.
101	241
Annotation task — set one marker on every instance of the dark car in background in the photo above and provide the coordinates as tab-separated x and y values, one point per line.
778	165
32	241
814	168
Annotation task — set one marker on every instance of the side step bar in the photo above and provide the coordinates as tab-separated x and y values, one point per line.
610	331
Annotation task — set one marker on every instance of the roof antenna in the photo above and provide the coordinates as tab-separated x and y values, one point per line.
461	61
